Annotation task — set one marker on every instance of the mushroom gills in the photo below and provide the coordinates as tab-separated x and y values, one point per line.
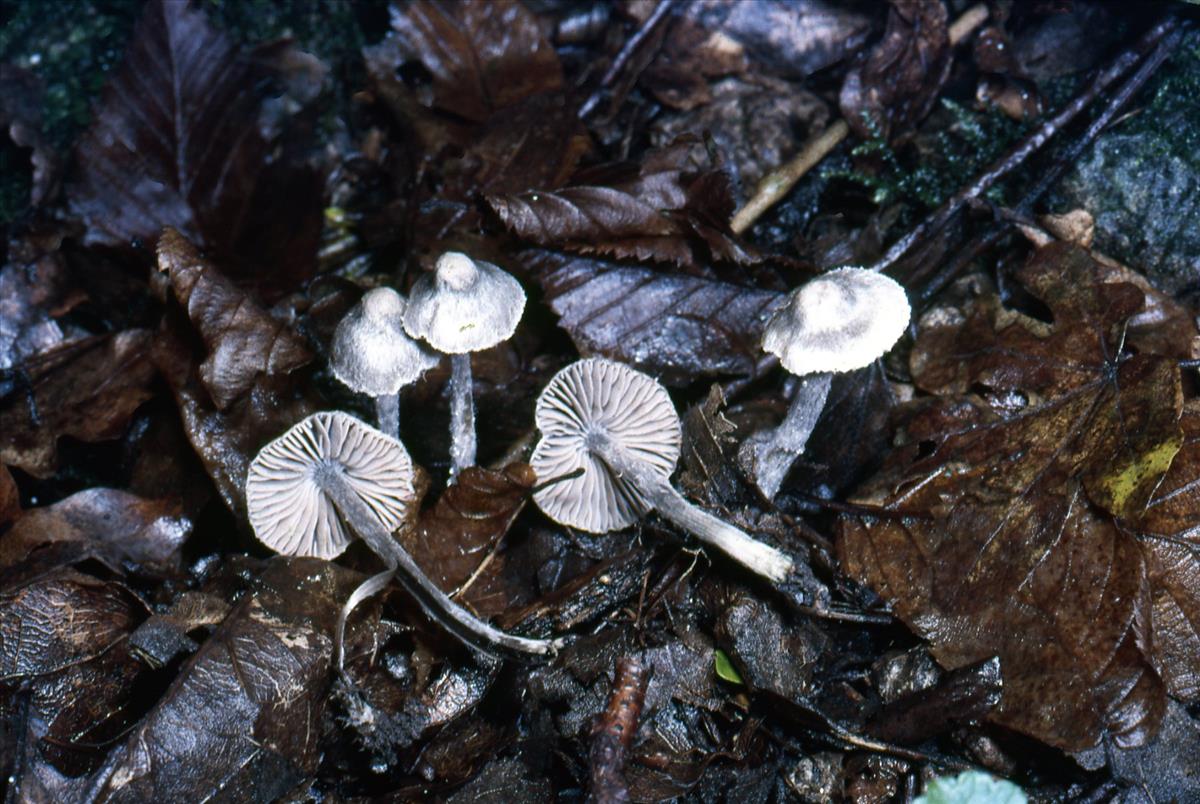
466	627
661	495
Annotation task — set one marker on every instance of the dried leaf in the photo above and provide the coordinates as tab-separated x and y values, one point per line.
457	538
244	341
483	55
675	201
244	714
1024	483
86	389
899	82
675	327
185	136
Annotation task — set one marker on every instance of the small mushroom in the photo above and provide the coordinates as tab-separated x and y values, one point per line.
841	321
332	469
620	427
372	354
463	306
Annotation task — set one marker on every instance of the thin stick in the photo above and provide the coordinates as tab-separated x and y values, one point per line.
1030	145
779	182
631	45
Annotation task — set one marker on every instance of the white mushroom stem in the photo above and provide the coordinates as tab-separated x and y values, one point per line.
387	413
767	456
454	618
755	556
462	415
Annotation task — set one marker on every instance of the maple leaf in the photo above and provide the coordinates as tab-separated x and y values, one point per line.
1029	480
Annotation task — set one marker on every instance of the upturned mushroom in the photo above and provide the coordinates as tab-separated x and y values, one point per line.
841	321
620	427
463	306
372	354
331	471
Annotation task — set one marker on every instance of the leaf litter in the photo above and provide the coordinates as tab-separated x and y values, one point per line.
996	522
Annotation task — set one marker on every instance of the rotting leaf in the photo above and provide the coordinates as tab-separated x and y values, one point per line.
482	54
673	326
1028	482
899	82
86	389
184	136
244	714
456	541
674	201
244	342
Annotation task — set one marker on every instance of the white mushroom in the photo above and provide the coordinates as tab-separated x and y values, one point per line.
463	306
372	354
841	321
332	469
620	427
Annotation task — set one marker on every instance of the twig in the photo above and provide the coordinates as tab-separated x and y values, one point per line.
1030	145
631	45
615	731
779	182
1063	160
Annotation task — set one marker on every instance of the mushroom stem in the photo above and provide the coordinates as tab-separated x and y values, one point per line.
454	618
462	415
387	413
661	495
767	456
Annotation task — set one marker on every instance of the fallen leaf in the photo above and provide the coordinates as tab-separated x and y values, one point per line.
86	389
10	497
187	135
1027	483
244	713
244	341
900	80
675	327
458	538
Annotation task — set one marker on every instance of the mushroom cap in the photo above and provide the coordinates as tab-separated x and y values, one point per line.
840	321
464	305
371	353
289	511
600	397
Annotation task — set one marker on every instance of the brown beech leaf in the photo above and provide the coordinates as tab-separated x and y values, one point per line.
675	201
455	539
899	82
244	341
243	715
10	497
86	389
1028	481
483	55
186	135
673	326
108	523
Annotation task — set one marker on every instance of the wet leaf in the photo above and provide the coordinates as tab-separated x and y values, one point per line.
1027	484
244	342
10	497
188	135
458	540
244	714
901	78
106	523
86	389
674	202
675	327
723	666
482	55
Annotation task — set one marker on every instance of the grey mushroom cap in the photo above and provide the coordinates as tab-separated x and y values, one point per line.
840	321
600	398
287	508
372	353
464	305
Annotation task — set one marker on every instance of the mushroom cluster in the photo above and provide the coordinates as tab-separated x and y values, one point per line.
619	426
331	475
841	321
